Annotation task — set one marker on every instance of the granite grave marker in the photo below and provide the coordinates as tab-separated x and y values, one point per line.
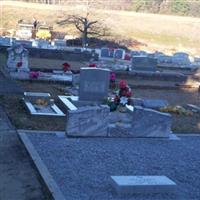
94	84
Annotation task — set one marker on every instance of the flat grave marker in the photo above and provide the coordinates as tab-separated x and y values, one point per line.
142	184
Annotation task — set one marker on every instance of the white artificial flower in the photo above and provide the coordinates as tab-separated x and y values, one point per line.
123	101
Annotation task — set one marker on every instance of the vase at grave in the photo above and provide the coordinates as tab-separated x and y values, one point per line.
17	59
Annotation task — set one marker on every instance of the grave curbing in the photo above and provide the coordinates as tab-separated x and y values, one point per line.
44	172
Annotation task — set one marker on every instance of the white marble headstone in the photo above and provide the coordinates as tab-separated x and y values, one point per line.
17	59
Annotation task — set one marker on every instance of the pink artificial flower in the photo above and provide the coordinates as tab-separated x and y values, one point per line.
33	74
112	76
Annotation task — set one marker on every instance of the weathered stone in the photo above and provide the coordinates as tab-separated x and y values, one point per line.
142	184
94	84
88	121
144	123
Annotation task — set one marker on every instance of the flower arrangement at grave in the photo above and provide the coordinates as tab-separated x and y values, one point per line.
66	67
122	97
34	75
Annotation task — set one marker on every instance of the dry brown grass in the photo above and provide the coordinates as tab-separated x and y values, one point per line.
160	32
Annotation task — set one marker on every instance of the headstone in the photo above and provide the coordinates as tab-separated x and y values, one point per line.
144	63
5	41
88	121
24	43
135	53
181	58
94	84
60	43
144	123
142	184
105	52
17	59
163	59
43	44
119	53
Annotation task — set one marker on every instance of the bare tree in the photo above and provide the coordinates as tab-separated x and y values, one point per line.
86	24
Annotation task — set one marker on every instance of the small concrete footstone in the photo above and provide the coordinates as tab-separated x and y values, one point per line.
126	185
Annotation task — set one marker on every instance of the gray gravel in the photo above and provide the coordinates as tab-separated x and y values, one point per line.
82	167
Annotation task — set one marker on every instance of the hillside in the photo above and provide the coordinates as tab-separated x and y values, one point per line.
159	32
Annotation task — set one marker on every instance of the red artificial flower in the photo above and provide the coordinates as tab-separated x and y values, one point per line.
66	67
127	57
122	84
19	64
128	94
92	65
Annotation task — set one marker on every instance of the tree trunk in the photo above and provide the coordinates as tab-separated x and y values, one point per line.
84	38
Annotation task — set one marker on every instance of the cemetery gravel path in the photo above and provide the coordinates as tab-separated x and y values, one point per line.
18	178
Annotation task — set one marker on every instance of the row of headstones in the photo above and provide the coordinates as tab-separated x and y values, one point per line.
178	58
40	43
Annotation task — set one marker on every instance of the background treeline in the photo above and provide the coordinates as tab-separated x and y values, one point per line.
174	7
